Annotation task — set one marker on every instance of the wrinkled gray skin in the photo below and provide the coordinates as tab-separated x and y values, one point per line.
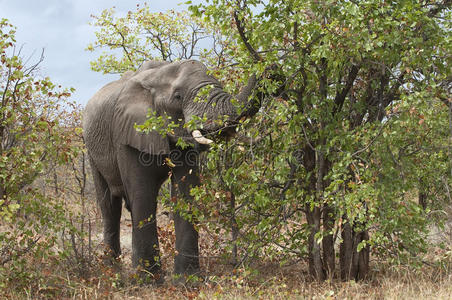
129	165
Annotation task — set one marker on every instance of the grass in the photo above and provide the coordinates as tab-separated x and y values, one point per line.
86	277
261	281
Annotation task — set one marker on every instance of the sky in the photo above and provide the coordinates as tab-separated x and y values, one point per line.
61	28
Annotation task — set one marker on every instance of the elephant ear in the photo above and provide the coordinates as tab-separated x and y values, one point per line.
132	106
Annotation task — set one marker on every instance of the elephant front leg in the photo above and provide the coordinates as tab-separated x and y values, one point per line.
145	245
187	257
141	184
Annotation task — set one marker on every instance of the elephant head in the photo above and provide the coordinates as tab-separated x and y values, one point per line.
173	90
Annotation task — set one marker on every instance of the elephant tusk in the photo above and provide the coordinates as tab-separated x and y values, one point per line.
197	135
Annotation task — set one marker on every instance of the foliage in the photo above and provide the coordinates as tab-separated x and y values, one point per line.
142	35
35	130
359	124
354	123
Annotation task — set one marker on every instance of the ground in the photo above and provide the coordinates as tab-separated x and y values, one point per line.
266	280
86	276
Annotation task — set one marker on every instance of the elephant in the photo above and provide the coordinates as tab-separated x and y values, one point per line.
131	166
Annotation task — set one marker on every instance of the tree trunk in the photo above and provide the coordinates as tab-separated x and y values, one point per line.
364	257
234	230
422	197
313	217
315	255
329	256
346	253
55	181
354	265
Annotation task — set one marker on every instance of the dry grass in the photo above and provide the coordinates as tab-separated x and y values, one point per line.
271	282
220	281
261	281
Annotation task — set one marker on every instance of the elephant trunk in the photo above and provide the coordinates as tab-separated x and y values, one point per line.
250	107
219	104
247	90
224	105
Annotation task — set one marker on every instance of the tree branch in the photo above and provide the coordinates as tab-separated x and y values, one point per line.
439	7
123	45
340	96
241	30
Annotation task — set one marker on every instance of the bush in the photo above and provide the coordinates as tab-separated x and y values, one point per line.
35	134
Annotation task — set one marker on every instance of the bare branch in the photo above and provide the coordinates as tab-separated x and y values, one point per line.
123	42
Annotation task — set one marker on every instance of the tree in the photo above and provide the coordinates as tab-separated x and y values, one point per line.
30	111
358	124
363	86
142	35
35	131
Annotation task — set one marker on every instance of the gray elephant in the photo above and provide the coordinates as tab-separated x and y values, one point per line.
130	165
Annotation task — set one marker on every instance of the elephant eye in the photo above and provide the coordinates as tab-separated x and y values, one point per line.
177	96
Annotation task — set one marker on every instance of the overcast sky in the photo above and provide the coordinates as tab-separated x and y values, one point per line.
61	28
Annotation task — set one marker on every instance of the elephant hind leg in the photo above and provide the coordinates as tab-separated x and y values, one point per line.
110	205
